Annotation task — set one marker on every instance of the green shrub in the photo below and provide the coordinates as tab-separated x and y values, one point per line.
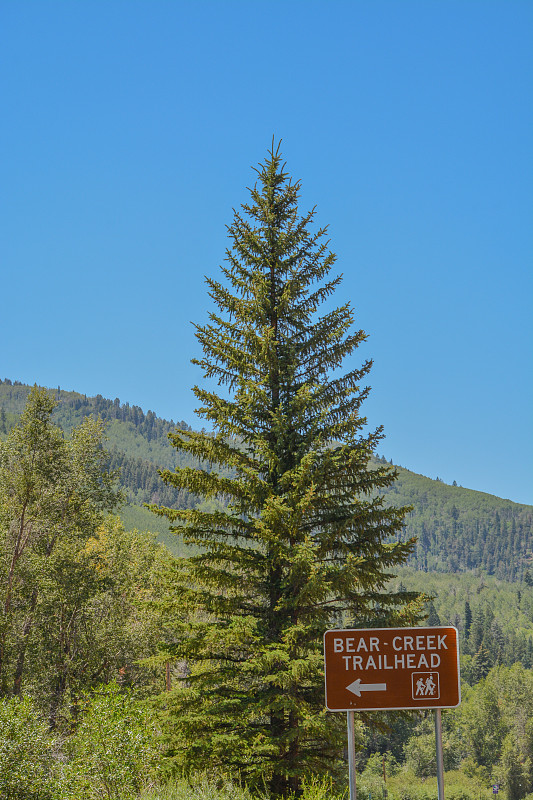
26	760
114	751
457	786
320	789
374	765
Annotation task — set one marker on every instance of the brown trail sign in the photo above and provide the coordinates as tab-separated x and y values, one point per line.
382	669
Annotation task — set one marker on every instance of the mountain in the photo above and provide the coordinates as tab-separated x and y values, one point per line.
458	530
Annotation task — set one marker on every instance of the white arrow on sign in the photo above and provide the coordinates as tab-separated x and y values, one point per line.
357	687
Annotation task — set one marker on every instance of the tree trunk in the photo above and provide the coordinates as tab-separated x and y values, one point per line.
57	696
17	552
26	629
294	750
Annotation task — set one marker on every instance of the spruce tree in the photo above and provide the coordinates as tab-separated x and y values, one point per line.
433	618
294	537
468	620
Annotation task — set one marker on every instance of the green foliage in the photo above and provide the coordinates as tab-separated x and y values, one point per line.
26	753
432	618
480	665
497	616
405	786
71	579
200	787
53	493
457	529
113	752
419	756
295	536
487	739
84	599
512	771
3	420
136	518
379	763
320	789
103	589
385	733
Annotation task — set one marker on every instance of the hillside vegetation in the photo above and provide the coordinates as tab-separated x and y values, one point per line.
113	661
457	529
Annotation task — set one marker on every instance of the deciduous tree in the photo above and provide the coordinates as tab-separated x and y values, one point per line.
52	492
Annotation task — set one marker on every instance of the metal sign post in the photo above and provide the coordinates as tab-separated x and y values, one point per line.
440	760
351	755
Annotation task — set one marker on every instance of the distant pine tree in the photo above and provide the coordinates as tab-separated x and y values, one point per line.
481	664
468	619
433	618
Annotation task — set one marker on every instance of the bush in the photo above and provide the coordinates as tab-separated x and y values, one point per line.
374	765
319	789
114	750
457	786
26	760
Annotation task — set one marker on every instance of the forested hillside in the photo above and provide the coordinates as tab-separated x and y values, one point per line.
457	529
494	617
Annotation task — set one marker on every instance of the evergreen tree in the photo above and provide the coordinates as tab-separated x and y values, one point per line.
480	664
433	618
528	659
468	619
298	538
477	629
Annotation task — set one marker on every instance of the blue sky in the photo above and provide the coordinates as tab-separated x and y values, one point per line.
128	132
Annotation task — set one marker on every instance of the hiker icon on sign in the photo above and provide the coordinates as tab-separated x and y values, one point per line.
425	684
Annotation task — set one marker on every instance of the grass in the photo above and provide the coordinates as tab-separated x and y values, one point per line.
202	788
